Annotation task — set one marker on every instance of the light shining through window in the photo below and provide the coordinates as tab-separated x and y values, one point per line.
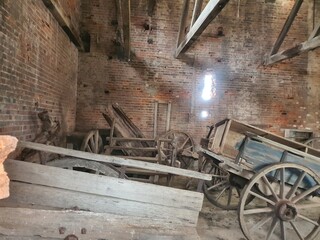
208	89
204	114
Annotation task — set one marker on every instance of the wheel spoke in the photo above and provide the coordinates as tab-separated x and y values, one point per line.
295	186
283	230
257	210
282	182
265	179
262	222
96	139
229	195
296	230
184	143
217	185
272	227
306	206
308	220
262	198
305	193
89	148
220	194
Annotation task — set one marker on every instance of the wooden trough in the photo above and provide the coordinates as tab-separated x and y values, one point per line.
50	203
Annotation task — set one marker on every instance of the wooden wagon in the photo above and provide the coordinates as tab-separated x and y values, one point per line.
272	181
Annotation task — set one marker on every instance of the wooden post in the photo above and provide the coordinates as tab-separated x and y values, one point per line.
155	119
168	117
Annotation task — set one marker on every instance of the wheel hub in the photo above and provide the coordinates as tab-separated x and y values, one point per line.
287	211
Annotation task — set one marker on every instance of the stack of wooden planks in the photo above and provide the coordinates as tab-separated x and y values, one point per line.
44	199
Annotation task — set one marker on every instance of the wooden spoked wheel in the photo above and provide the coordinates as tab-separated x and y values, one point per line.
184	147
286	204
83	165
92	142
220	191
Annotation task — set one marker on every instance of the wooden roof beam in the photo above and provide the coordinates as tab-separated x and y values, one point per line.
212	9
286	27
295	51
124	16
65	23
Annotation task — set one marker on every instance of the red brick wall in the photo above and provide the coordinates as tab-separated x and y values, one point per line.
38	67
272	98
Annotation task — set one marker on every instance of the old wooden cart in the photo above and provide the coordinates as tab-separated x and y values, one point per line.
271	180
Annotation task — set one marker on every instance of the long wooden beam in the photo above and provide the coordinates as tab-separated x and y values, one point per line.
212	9
65	23
295	51
196	11
315	32
286	27
183	21
115	160
124	16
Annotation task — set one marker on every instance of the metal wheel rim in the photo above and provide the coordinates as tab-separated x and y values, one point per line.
276	221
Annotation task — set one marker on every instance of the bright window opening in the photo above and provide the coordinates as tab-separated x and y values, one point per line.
209	87
204	114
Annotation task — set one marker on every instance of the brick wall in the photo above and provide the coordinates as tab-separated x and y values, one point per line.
272	98
38	68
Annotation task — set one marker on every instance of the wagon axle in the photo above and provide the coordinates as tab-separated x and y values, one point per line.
286	211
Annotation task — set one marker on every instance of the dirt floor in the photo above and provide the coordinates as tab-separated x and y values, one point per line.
217	224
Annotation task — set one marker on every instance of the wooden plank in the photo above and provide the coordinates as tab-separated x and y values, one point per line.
64	21
115	160
43	196
155	119
183	21
23	222
152	149
209	13
126	15
286	27
102	185
315	32
196	11
295	51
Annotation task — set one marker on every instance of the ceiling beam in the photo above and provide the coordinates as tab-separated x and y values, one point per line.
295	51
65	23
124	25
286	27
183	21
212	9
196	11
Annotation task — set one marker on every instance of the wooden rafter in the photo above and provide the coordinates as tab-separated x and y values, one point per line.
124	15
295	51
312	43
286	26
196	11
63	20
212	9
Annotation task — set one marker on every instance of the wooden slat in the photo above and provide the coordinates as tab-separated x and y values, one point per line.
212	9
315	32
286	26
295	51
115	160
102	185
43	196
63	20
183	21
23	222
196	11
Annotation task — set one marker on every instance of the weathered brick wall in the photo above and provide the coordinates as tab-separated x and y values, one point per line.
270	97
38	67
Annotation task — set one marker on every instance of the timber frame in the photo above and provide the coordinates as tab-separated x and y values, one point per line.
123	18
199	22
312	43
60	15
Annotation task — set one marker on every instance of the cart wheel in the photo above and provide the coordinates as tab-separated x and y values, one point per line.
184	146
92	142
220	191
286	204
82	165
